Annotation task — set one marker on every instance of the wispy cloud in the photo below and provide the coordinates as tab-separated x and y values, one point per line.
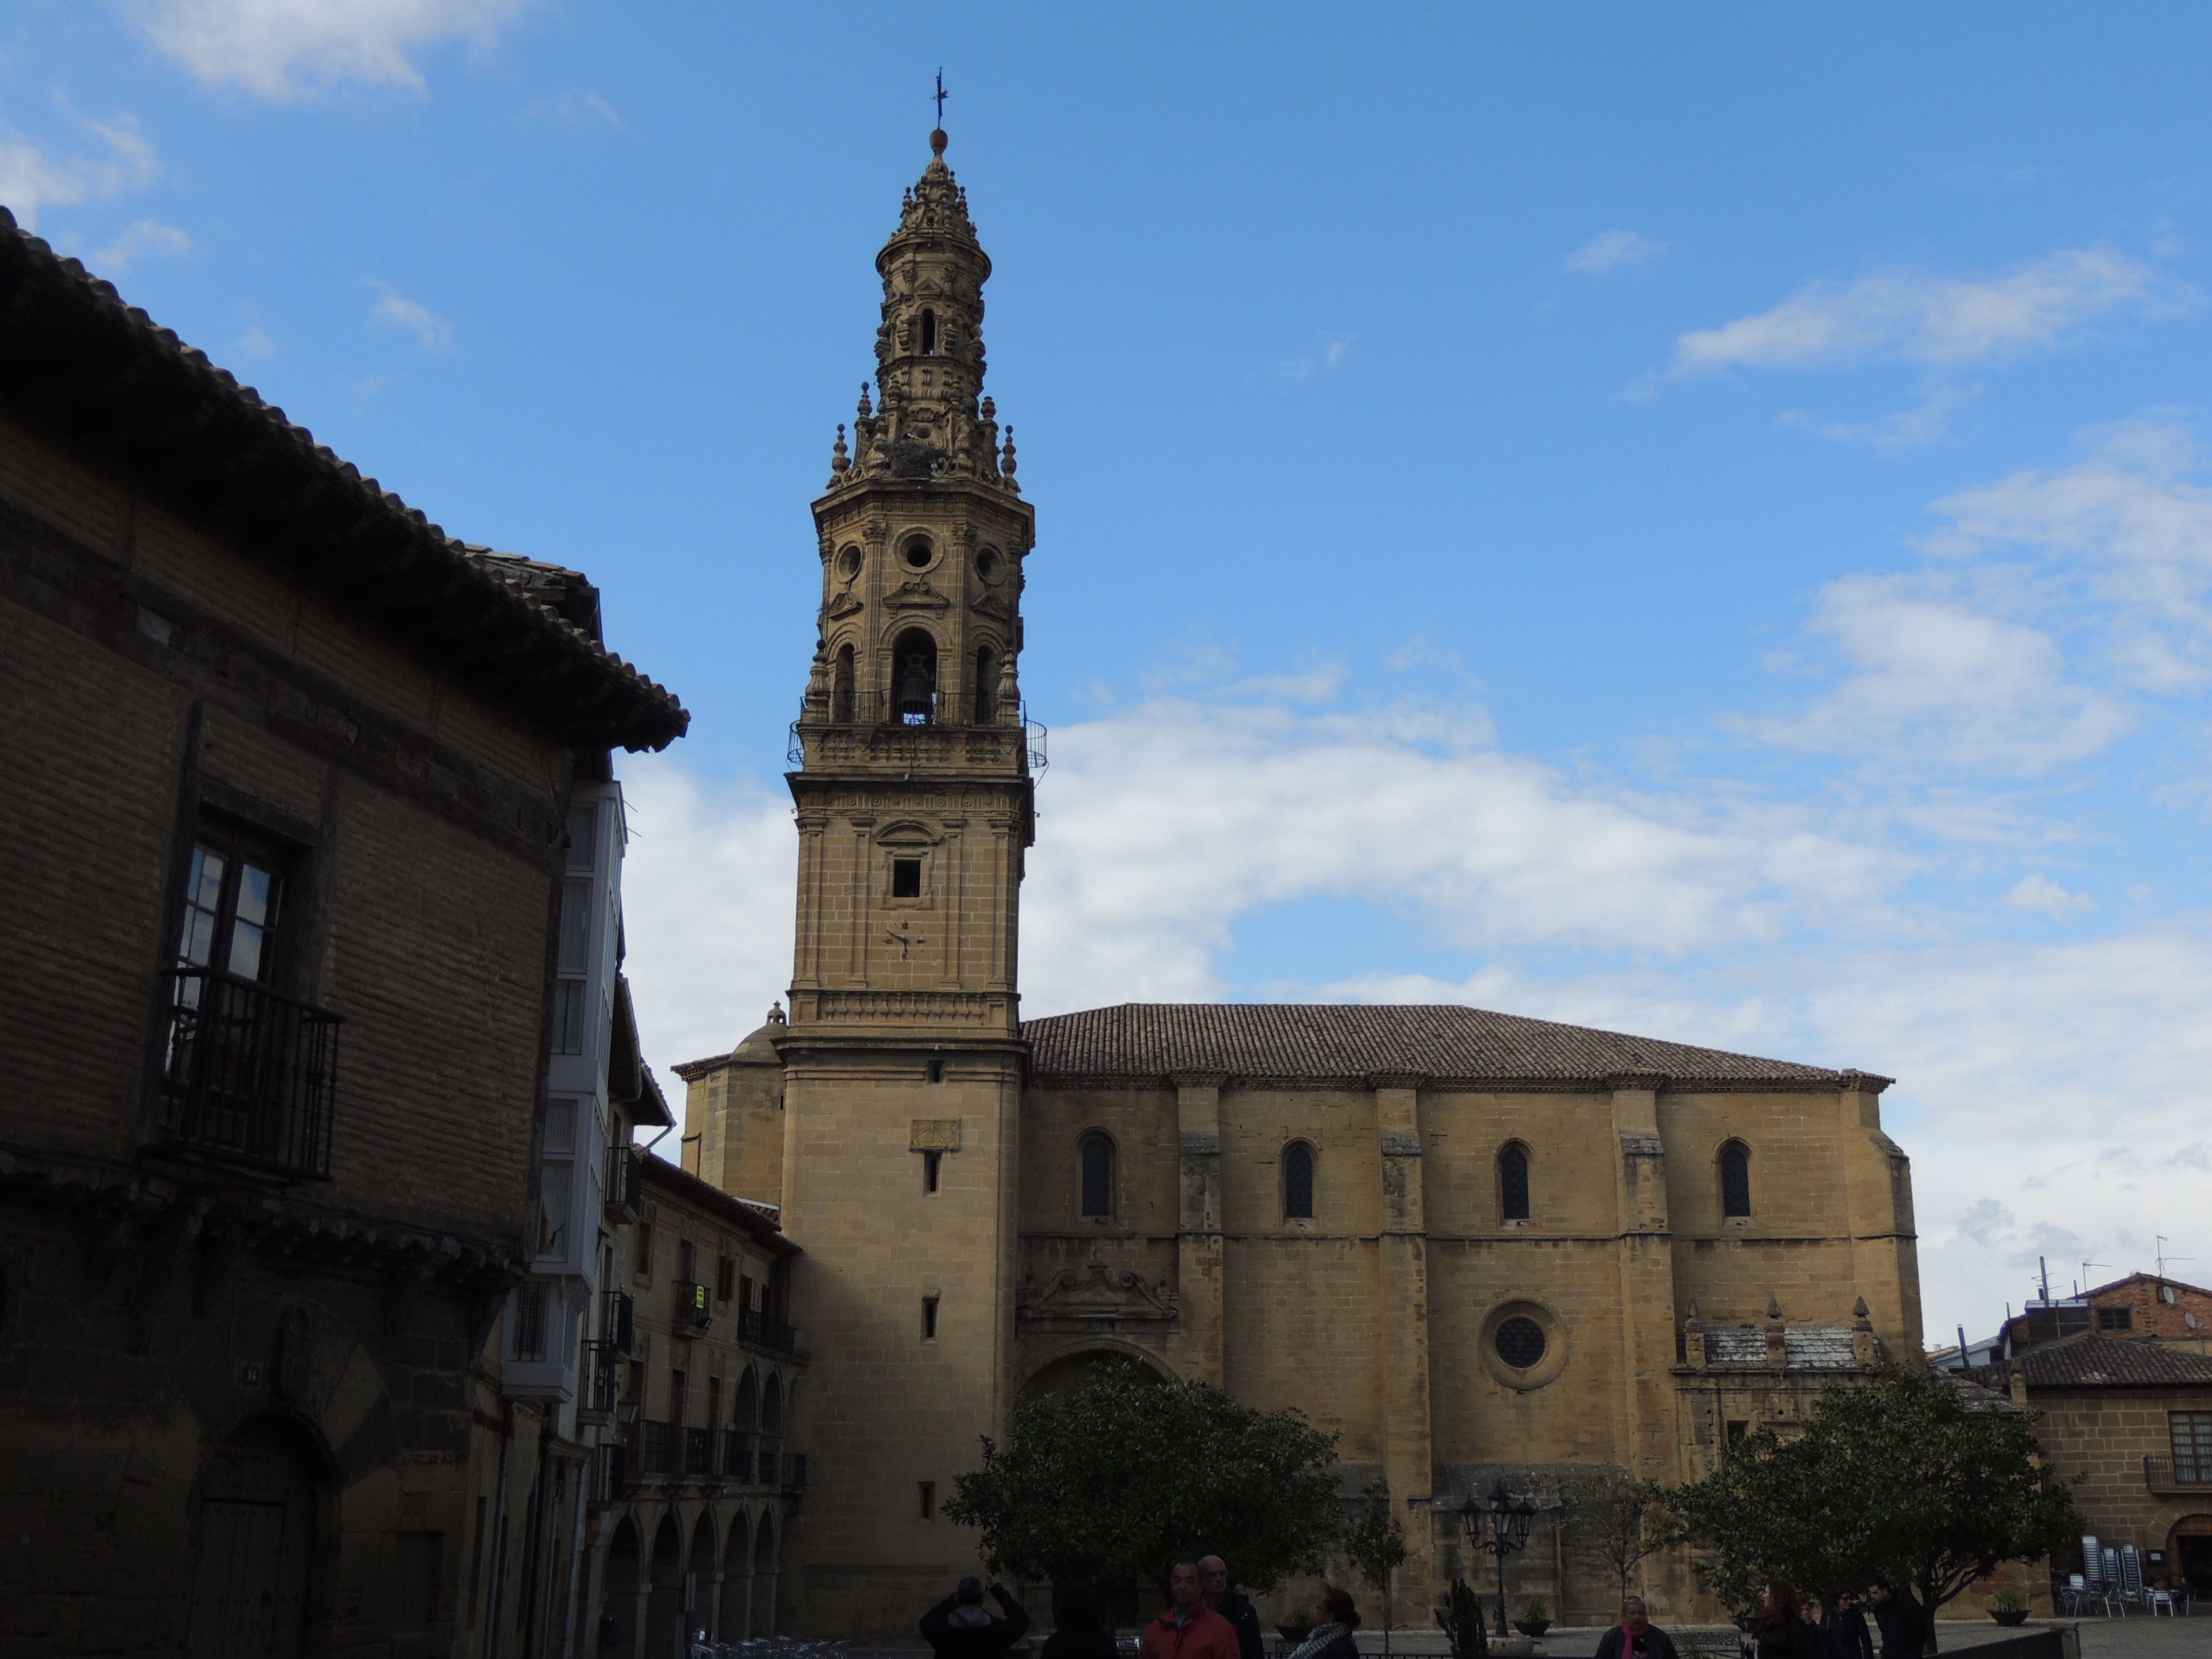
141	238
32	179
1926	423
2036	891
1327	354
1616	250
1935	321
569	109
255	344
395	309
286	49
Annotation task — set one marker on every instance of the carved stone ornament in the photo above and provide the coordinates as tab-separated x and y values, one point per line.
918	595
992	605
843	605
1096	1295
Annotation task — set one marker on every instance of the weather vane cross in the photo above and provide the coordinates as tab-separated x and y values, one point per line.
940	98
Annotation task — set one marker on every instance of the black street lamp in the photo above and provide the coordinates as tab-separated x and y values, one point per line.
1498	1526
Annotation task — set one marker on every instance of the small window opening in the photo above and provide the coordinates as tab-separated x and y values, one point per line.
906	883
725	1278
1735	1181
641	1266
2116	1319
1737	1431
936	1071
933	1165
927	1490
987	688
929	1319
1097	1175
1297	1182
1513	1183
929	334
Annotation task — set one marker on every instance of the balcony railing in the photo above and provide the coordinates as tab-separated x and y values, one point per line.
757	1328
879	711
620	1319
601	1381
654	1446
699	1449
624	1192
695	1305
2179	1474
737	1455
606	1475
248	1075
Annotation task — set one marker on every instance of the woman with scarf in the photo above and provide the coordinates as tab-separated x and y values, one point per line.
1780	1633
1331	1639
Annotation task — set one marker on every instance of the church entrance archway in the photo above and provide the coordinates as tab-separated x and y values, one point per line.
1067	1373
2188	1548
253	1542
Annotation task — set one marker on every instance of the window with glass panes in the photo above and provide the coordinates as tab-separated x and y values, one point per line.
2192	1444
233	895
572	967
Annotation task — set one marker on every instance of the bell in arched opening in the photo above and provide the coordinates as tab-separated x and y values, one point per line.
913	678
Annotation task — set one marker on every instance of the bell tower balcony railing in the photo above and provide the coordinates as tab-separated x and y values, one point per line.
880	714
247	1075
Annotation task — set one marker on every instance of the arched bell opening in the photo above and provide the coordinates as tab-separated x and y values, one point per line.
913	678
929	334
841	686
987	688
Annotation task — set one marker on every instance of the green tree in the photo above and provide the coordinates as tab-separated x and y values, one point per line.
1119	1481
1375	1543
1904	1476
1618	1518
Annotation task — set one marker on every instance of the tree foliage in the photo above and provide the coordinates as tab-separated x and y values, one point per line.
1618	1518
1119	1481
1898	1477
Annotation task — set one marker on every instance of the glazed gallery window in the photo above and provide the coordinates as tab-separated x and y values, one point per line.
1097	1155
1736	1181
1513	1183
1297	1182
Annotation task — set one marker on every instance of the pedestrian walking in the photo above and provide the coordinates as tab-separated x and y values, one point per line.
1779	1633
1846	1622
1233	1605
1815	1641
1635	1637
1332	1638
1079	1627
959	1627
1902	1621
1188	1629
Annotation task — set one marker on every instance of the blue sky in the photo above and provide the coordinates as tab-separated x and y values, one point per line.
1692	521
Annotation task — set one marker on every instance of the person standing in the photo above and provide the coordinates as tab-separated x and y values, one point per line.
1079	1627
1635	1637
1847	1624
1332	1639
1902	1622
1233	1605
959	1627
1188	1629
1814	1639
1779	1633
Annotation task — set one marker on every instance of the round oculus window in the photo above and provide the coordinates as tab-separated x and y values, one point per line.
988	565
849	564
917	553
1520	1342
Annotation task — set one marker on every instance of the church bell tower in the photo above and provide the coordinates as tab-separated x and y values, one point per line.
903	1060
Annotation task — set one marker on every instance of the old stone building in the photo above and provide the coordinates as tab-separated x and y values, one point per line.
293	782
1476	1246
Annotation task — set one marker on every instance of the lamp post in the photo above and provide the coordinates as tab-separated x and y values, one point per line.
1498	1526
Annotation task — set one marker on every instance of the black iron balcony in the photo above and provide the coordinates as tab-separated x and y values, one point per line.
699	1452
2178	1475
654	1446
621	1317
600	1383
606	1475
695	1305
248	1075
767	1461
624	1191
761	1331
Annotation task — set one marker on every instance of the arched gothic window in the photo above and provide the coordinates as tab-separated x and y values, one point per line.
987	687
1097	1160
1297	1182
1513	1183
1735	1179
929	334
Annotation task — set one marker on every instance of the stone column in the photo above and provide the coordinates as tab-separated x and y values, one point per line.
1198	1232
1647	1281
1409	1460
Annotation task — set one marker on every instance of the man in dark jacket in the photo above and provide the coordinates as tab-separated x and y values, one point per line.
1635	1637
958	1628
1233	1605
1848	1625
1904	1624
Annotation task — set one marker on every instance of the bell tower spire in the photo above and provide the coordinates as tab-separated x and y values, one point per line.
903	1060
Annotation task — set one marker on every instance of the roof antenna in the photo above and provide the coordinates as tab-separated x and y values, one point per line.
2045	1267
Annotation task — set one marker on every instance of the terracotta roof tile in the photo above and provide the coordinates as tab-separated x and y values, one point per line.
1347	1042
2092	1362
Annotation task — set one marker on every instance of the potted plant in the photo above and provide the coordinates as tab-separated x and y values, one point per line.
2007	1608
1533	1617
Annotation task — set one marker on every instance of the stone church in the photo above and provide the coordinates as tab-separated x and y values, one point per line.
1477	1247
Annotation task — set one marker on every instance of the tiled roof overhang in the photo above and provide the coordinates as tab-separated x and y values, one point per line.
101	376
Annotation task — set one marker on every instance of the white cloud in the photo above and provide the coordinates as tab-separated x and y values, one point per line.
289	49
431	330
570	109
30	180
1930	319
2036	891
255	344
1908	429
1936	682
1615	250
140	238
1326	356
